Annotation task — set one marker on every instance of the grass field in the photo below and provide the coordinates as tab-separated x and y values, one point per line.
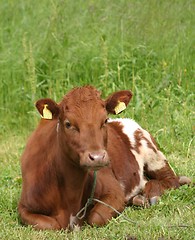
47	47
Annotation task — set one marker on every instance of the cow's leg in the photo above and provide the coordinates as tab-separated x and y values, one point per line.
156	187
38	221
103	211
111	197
156	168
161	179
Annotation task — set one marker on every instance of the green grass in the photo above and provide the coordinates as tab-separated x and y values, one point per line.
47	47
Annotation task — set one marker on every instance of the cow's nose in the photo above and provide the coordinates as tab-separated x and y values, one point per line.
97	156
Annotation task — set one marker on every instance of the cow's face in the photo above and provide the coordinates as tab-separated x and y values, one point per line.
82	117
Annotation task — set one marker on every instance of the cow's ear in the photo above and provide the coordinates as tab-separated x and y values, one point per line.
48	108
118	101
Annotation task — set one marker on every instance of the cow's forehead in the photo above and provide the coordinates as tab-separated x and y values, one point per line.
83	94
83	101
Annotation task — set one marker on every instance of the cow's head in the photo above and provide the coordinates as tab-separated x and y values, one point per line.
82	123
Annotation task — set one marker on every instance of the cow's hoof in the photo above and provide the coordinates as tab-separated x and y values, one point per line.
74	224
140	200
154	200
128	237
184	180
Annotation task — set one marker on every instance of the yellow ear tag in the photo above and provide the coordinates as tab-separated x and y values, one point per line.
46	112
120	107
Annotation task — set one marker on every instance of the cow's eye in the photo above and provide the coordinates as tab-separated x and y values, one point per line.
105	122
67	124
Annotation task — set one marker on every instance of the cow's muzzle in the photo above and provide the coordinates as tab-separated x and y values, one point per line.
94	159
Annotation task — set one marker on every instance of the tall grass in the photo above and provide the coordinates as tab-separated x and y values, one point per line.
48	47
56	45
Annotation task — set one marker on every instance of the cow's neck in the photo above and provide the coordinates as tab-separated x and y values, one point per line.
74	178
74	183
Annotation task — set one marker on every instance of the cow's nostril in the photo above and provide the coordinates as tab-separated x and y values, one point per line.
91	157
97	156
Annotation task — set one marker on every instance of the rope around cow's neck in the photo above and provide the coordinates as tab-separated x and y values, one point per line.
81	214
90	199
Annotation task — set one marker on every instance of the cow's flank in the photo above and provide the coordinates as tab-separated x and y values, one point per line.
75	138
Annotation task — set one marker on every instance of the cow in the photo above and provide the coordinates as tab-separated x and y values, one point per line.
75	141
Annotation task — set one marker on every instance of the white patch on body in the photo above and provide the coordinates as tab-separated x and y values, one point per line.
154	158
129	127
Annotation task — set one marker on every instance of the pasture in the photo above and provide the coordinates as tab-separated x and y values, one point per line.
48	47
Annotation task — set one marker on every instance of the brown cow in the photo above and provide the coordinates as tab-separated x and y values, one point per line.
74	138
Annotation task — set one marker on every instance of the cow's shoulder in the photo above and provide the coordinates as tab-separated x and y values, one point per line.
126	127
